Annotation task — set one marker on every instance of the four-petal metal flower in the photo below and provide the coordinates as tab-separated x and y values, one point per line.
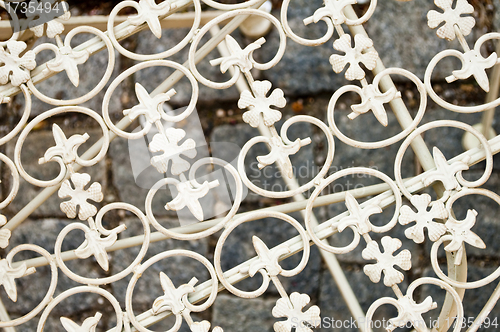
461	232
52	17
474	64
149	12
445	172
8	274
238	56
452	17
261	104
360	53
423	218
189	194
296	319
358	217
386	261
174	296
373	100
410	311
67	59
79	196
168	143
334	9
88	325
14	68
65	147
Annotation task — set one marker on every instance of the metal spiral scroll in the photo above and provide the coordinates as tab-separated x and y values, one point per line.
261	101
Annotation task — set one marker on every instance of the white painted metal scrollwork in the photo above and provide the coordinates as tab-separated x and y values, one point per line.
174	158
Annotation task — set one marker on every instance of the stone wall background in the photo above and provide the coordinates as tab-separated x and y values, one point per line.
402	38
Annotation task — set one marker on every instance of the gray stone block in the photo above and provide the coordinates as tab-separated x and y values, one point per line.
245	315
129	189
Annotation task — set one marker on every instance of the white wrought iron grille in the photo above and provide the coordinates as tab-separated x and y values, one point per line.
207	200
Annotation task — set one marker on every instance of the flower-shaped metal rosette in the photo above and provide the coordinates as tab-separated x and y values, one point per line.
423	218
451	17
296	319
52	17
16	68
386	261
79	196
260	105
204	326
354	55
168	144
